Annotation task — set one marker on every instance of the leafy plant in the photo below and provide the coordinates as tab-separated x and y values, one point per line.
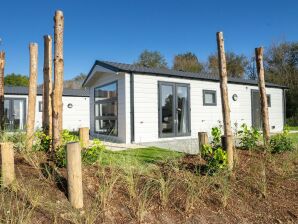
216	158
91	154
60	156
216	136
42	142
281	142
249	137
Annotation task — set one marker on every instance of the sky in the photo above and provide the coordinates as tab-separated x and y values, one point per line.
120	30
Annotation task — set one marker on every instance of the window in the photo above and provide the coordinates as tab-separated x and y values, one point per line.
268	100
106	109
174	109
40	106
209	97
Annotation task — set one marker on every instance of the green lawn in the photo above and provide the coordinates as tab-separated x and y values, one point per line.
142	156
294	137
293	128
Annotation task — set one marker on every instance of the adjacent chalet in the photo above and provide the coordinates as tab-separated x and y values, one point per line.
75	108
133	104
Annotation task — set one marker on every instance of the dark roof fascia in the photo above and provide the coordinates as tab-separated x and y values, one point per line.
165	74
99	63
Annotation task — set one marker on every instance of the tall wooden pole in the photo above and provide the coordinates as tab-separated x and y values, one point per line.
33	48
58	79
224	98
2	64
47	86
263	96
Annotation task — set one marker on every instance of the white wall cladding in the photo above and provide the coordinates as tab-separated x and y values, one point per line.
203	118
73	118
105	78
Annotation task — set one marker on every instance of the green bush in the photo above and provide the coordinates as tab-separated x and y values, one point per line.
213	154
249	137
281	143
42	142
92	154
216	158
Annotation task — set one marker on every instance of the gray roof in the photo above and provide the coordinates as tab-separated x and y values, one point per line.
121	67
21	90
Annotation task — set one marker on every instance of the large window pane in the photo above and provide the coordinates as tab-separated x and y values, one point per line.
167	115
106	92
106	109
182	110
107	127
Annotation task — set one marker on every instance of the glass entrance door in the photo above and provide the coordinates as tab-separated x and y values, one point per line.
14	114
174	109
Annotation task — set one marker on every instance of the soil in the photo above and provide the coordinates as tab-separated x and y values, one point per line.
257	192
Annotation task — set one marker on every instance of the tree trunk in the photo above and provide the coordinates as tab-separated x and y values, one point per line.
33	48
2	64
74	175
47	86
263	96
58	79
225	99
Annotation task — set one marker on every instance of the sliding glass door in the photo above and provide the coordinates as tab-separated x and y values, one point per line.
174	109
14	114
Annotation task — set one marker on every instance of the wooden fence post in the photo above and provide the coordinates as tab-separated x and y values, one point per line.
84	137
225	99
7	163
2	64
203	139
58	79
47	86
263	96
74	175
33	48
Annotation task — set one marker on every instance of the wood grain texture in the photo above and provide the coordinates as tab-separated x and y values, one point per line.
225	98
2	65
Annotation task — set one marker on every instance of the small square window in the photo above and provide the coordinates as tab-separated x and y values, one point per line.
209	98
40	106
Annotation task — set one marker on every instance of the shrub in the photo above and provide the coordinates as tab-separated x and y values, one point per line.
249	137
216	136
92	154
281	143
216	158
42	142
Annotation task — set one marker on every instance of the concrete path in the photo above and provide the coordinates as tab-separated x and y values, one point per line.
121	146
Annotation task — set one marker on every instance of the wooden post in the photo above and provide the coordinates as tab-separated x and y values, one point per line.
84	137
33	48
2	64
224	98
58	79
263	96
74	175
7	163
47	86
203	139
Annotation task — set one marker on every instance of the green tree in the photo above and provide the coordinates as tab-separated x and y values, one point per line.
187	62
281	67
76	82
16	80
236	64
151	59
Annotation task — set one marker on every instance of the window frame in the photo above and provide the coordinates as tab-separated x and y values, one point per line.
207	91
268	100
40	106
110	100
175	133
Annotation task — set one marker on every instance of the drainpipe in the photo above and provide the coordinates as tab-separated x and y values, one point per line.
132	114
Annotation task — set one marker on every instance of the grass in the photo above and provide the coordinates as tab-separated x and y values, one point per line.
293	128
144	156
294	137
